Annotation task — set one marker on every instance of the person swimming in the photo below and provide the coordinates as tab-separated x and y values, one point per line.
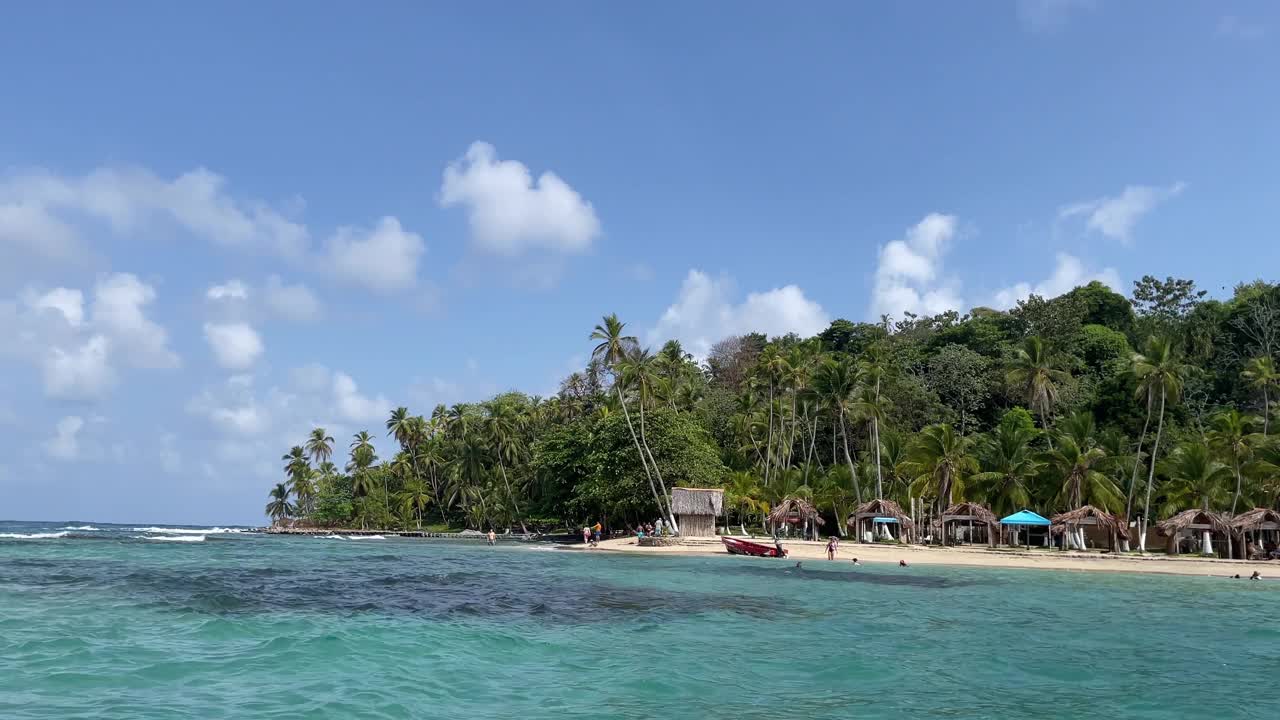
903	563
798	565
855	562
1256	575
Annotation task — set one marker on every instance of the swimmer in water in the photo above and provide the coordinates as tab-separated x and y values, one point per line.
902	563
1256	575
798	566
855	562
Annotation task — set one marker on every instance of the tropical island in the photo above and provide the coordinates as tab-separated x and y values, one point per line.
1143	417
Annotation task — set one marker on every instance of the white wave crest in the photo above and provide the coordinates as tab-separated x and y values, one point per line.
179	538
190	531
366	537
82	527
32	536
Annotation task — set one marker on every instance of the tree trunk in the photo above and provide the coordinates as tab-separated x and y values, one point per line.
857	486
519	517
1266	410
1151	476
1133	482
768	443
640	451
666	496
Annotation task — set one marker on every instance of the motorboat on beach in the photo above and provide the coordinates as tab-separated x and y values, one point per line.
736	546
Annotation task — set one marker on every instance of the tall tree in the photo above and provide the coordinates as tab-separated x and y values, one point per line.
1231	438
319	446
1159	373
941	462
279	508
1034	373
835	381
1260	373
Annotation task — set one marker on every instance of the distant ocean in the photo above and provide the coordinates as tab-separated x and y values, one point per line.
124	621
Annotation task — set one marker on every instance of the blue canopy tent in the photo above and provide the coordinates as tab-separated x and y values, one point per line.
1027	519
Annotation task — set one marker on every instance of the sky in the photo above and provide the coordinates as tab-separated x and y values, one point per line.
221	226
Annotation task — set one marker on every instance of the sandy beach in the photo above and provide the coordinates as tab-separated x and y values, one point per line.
970	556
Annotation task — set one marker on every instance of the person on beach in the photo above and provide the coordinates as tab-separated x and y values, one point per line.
493	537
777	545
831	548
586	535
596	529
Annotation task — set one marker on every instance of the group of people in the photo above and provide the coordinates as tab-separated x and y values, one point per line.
591	535
653	529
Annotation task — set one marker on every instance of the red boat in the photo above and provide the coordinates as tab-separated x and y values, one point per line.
746	547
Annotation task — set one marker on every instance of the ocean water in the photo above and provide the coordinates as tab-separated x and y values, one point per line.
101	621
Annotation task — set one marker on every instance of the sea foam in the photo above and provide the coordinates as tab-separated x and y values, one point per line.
32	536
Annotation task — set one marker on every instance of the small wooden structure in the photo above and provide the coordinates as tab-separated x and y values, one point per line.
878	519
1072	524
1264	526
974	516
696	510
795	510
1187	522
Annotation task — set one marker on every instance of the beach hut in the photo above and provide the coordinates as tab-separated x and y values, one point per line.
1187	523
1072	525
881	519
1264	525
1029	520
696	510
973	516
793	511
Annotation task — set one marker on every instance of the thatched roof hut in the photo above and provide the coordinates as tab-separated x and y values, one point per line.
973	514
696	510
795	510
1263	524
888	511
1206	522
1089	516
1256	519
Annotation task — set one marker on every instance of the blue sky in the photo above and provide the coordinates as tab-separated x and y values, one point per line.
220	226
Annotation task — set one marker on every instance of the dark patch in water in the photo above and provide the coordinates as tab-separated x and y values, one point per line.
903	578
340	588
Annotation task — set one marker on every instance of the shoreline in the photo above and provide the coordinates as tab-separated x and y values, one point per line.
966	557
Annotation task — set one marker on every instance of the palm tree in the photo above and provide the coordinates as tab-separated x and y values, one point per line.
1197	479
1158	371
503	425
279	508
1032	370
835	490
1260	373
743	494
1231	439
1080	470
299	473
611	351
319	446
415	499
1007	462
941	462
638	370
363	457
873	373
835	381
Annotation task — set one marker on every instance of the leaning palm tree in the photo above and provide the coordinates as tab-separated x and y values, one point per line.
279	508
612	349
1231	438
835	381
503	425
941	463
319	446
1008	463
1260	373
1033	372
1159	373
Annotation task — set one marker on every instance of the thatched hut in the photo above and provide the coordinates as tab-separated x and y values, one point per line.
1072	525
1188	522
973	517
880	519
696	510
1256	529
796	511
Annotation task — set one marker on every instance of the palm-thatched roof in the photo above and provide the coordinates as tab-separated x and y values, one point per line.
1255	519
793	509
1086	515
881	508
1187	518
697	501
971	511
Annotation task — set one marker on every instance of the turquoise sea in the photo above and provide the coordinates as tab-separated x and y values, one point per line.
101	621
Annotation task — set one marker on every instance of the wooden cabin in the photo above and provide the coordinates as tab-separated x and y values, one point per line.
696	510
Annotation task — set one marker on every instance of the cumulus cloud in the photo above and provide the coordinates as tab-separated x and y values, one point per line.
129	199
510	213
384	258
291	302
354	406
909	276
1116	216
230	290
78	351
704	313
1068	273
236	346
65	444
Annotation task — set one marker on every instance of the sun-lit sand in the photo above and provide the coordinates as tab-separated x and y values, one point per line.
972	556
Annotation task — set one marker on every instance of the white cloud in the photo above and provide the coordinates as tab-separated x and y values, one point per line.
1231	26
1047	15
69	303
65	444
80	373
1068	273
382	259
118	310
291	302
35	232
704	313
909	277
354	406
230	290
509	213
1115	217
236	346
